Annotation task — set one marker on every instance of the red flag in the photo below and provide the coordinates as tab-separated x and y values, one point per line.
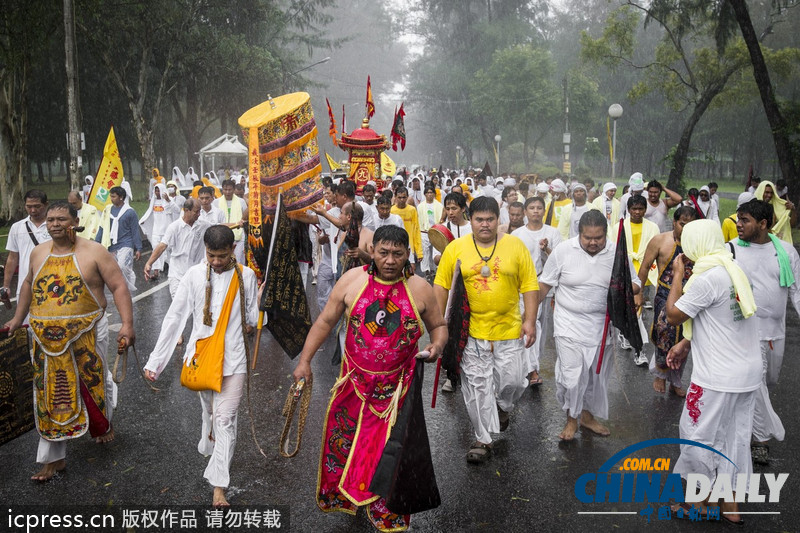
332	127
399	129
370	103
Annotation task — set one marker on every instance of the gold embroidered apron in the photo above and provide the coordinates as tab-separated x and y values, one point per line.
69	375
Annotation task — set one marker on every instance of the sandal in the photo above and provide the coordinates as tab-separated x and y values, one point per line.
479	453
537	381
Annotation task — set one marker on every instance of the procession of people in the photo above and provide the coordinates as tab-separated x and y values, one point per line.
530	258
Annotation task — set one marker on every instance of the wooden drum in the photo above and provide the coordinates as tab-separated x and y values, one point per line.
440	237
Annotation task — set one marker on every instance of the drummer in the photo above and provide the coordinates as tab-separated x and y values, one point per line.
455	209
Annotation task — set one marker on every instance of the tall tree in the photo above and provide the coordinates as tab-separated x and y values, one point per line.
687	73
25	30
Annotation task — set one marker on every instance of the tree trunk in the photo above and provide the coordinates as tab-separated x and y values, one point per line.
525	150
73	102
13	139
780	135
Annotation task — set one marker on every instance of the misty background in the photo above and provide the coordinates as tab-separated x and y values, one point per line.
172	76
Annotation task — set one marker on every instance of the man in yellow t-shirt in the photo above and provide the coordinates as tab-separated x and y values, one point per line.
410	222
552	213
496	270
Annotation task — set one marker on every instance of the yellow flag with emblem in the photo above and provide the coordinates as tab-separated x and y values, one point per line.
108	175
332	163
387	165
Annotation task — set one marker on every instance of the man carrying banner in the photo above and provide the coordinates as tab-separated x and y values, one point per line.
64	290
88	217
580	269
119	233
716	308
638	232
496	269
211	292
663	249
387	309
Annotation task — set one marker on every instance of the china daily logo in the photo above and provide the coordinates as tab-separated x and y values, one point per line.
623	479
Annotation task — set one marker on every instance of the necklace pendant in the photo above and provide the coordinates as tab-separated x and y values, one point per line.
485	271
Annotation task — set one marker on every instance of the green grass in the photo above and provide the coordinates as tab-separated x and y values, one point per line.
735	186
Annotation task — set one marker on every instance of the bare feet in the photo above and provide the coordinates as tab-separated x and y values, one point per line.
733	508
219	498
108	437
568	433
589	422
678	391
660	385
48	471
180	340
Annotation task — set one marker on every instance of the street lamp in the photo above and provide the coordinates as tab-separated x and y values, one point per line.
614	111
497	153
458	154
321	61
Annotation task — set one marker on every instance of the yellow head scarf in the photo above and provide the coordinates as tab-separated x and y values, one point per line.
702	242
782	228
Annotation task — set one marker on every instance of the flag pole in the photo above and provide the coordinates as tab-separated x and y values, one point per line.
259	329
608	317
436	382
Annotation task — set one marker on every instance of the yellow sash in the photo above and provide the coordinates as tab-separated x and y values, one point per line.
204	370
232	213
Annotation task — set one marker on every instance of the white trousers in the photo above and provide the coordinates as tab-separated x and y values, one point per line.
427	264
532	353
173	285
124	257
493	376
766	423
219	419
49	451
723	421
578	385
158	264
324	284
774	358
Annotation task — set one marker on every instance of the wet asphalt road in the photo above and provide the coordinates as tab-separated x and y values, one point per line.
528	484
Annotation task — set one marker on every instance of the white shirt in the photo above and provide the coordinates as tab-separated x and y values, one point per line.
331	231
185	245
657	214
760	263
19	241
581	284
369	217
189	300
391	220
175	207
531	239
212	216
726	355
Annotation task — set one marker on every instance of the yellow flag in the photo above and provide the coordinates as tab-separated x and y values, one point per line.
332	164
610	145
108	175
387	165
